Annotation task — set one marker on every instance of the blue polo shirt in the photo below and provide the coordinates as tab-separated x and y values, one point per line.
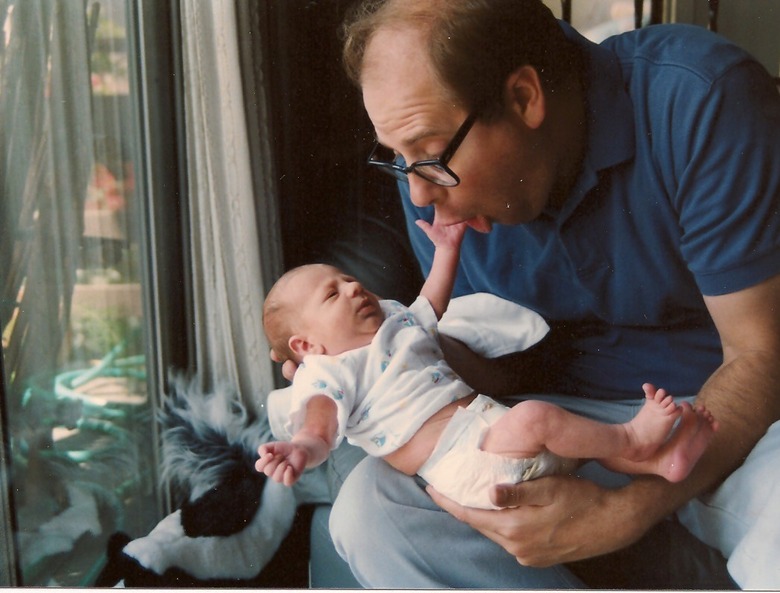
679	197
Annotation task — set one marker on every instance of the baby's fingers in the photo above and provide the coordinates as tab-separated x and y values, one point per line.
290	476
264	457
269	464
424	225
281	472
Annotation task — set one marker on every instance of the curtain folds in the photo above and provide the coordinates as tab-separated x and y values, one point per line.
44	168
227	267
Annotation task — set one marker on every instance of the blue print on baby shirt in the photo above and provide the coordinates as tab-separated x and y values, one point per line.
386	361
407	320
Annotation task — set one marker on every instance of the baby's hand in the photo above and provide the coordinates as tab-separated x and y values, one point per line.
281	461
443	236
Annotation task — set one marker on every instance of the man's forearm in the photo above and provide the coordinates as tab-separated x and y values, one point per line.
742	395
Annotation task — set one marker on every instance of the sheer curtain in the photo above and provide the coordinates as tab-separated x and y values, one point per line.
77	455
44	170
229	272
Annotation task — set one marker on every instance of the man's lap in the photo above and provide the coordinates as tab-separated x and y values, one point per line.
410	542
393	536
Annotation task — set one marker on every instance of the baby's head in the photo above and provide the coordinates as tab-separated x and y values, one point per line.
317	309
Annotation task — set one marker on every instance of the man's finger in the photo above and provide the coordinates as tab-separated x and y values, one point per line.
275	356
487	522
445	503
289	368
539	492
461	513
506	495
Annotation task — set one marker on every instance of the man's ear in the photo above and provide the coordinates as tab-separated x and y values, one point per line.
301	346
525	96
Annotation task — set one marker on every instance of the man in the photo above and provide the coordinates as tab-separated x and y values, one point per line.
629	193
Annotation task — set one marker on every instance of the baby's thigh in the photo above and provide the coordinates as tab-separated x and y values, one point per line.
609	411
523	430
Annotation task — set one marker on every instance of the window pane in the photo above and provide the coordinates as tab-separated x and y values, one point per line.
78	411
599	19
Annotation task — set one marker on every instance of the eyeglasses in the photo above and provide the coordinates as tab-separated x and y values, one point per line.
433	170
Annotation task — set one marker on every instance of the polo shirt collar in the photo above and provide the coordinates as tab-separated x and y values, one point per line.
610	133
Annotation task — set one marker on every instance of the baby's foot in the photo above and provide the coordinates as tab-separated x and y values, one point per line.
650	428
689	441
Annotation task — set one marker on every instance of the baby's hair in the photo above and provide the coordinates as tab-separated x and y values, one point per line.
278	315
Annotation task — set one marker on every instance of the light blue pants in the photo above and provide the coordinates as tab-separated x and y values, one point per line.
393	535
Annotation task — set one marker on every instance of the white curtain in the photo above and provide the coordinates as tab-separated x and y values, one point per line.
227	274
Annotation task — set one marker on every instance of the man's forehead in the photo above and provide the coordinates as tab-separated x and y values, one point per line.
402	95
393	55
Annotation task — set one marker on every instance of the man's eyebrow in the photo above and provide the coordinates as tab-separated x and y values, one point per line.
426	133
415	138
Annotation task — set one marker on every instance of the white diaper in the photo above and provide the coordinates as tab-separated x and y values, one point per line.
460	470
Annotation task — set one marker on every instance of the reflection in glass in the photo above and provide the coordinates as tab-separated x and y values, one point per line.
79	421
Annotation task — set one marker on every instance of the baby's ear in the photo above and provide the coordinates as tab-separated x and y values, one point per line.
301	346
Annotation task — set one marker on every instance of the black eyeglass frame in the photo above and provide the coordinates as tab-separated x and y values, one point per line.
401	172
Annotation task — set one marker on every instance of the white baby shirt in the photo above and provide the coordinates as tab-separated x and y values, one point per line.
384	391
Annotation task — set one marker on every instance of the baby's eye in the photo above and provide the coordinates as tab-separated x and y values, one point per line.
332	294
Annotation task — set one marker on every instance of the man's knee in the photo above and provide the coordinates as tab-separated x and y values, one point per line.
353	506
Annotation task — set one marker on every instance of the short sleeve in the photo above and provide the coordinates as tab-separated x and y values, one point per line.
322	375
729	185
424	314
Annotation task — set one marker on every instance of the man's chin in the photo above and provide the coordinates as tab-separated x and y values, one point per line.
480	224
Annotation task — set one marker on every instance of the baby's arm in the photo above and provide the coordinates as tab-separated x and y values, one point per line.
284	462
441	279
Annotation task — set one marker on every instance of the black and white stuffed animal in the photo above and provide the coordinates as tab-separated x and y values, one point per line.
232	520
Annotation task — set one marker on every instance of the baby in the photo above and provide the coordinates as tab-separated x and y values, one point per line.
373	371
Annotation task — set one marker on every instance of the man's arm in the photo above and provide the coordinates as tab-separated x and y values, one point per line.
519	372
561	519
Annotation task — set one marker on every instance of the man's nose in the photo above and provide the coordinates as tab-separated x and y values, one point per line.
424	193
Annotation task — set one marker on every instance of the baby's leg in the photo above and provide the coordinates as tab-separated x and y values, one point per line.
676	458
533	426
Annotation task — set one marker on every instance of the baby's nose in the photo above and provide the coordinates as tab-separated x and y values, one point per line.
355	288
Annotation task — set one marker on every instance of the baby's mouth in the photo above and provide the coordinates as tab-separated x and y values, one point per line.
365	307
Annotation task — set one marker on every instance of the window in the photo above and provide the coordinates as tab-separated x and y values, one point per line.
599	19
80	315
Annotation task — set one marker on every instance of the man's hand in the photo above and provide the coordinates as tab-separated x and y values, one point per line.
553	520
289	367
282	462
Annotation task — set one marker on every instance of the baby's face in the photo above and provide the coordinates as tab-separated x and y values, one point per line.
335	311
